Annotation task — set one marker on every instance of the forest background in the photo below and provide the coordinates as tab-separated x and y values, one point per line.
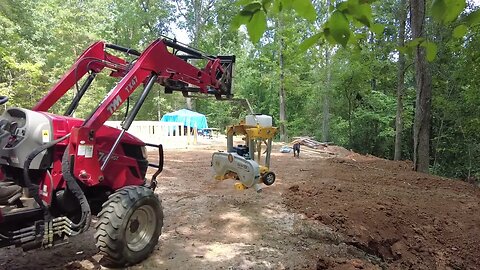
360	94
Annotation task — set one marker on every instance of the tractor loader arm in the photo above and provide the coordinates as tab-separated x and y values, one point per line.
63	161
93	59
157	64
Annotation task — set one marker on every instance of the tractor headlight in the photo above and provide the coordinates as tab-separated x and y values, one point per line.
144	152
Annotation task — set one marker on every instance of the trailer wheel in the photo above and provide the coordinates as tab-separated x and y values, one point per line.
268	178
129	226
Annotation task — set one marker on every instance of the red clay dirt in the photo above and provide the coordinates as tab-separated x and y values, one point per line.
401	219
325	211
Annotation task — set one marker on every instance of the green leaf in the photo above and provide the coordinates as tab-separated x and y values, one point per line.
402	49
377	28
246	15
277	6
253	7
309	42
361	12
328	36
447	11
431	50
366	11
342	6
358	24
353	40
331	8
474	17
339	28
365	15
239	20
361	36
438	9
352	6
243	2
415	42
406	50
257	26
460	31
287	4
305	9
454	8
266	4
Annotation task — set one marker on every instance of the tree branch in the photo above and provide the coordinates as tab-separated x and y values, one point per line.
179	10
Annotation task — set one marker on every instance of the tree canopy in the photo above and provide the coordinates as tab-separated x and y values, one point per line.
322	68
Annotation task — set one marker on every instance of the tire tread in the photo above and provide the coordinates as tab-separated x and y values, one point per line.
110	220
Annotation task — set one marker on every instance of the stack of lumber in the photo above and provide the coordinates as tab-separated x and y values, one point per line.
307	141
313	144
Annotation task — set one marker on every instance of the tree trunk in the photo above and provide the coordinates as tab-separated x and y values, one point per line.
159	107
283	110
350	136
283	113
326	103
402	17
421	127
198	20
189	103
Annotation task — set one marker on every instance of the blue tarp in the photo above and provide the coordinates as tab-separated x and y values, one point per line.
187	117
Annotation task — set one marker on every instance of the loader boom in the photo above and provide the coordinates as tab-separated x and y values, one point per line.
62	169
156	64
94	59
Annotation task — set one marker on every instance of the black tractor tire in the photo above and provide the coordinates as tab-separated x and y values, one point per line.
268	178
129	226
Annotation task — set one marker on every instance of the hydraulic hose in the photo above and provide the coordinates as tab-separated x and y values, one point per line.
77	191
70	180
26	168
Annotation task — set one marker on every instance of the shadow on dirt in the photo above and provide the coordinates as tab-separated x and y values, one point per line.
78	248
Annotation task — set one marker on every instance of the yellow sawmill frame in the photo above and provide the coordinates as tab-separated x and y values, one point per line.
254	137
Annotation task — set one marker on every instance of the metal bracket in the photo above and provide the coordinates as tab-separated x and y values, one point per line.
153	181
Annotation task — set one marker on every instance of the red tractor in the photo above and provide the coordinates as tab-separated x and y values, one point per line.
57	171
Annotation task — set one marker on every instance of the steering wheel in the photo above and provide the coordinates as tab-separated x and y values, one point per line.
3	100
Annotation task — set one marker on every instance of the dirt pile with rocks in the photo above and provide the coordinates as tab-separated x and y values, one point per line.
401	219
329	209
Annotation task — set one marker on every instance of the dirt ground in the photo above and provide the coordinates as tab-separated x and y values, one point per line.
325	211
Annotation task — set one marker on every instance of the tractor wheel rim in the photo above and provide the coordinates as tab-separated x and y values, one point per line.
270	178
140	228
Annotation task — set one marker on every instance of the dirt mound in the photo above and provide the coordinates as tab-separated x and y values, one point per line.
401	219
325	211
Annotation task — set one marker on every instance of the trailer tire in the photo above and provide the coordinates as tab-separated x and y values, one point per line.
129	226
268	178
